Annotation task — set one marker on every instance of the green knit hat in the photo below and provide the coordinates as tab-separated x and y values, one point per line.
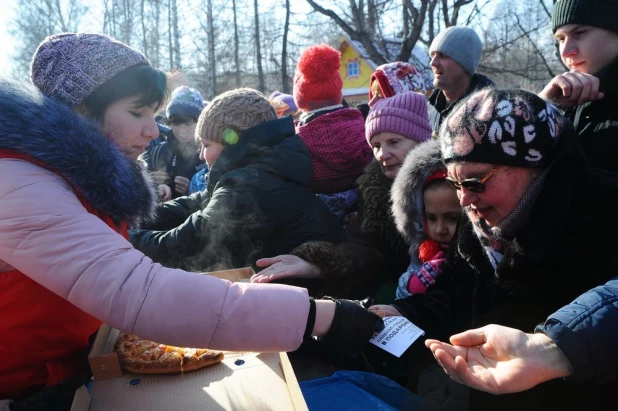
596	13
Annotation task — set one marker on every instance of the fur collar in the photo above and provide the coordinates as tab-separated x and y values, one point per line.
374	190
55	135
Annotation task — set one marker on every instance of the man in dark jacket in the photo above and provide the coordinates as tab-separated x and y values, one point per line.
587	36
455	54
532	237
258	201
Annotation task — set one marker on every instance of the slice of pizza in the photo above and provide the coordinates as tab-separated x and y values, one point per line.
141	356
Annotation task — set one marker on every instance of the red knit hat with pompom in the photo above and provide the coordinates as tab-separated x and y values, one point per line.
317	81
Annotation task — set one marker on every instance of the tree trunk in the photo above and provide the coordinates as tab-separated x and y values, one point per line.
169	32
236	46
285	87
127	24
156	61
212	68
418	16
258	47
144	33
174	11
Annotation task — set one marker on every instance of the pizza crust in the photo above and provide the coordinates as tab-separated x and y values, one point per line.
141	356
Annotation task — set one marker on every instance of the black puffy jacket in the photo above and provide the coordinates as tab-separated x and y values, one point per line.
258	204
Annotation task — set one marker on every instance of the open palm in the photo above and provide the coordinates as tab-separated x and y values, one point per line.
284	266
499	359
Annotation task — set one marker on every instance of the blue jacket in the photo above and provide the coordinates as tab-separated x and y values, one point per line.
586	332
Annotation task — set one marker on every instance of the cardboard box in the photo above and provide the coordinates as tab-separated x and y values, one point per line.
103	359
242	381
235	275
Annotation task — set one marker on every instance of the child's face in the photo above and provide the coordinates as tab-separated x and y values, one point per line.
184	129
442	211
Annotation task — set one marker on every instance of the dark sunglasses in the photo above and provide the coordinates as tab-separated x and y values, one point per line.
475	185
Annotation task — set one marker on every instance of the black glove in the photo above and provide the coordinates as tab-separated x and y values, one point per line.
352	327
58	397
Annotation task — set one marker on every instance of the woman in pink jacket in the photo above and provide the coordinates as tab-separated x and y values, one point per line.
70	188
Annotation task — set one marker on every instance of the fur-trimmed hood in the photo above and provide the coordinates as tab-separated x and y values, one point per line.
52	133
375	204
407	191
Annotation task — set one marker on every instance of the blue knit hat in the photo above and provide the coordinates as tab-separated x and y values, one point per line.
185	101
462	44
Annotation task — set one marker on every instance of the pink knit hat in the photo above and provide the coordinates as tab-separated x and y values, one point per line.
396	78
404	114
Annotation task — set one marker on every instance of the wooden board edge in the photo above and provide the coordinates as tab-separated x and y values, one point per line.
292	383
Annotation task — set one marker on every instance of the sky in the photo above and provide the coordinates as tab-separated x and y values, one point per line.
7	8
6	48
7	12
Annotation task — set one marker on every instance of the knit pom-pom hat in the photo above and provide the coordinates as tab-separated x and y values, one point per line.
317	81
405	114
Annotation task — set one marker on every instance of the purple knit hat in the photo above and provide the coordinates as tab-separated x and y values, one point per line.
404	114
68	67
283	103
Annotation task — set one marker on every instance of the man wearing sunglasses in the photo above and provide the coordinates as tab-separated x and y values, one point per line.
532	237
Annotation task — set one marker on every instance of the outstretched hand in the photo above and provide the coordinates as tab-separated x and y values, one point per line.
352	327
500	360
284	266
385	310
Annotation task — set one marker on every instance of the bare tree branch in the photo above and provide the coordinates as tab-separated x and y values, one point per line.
533	44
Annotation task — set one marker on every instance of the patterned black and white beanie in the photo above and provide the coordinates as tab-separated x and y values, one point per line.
508	127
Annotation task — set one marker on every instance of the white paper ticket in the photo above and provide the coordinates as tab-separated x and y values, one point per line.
397	336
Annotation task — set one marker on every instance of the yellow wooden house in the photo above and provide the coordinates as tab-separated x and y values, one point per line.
356	67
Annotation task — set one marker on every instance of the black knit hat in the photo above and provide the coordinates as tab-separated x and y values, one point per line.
596	13
509	127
